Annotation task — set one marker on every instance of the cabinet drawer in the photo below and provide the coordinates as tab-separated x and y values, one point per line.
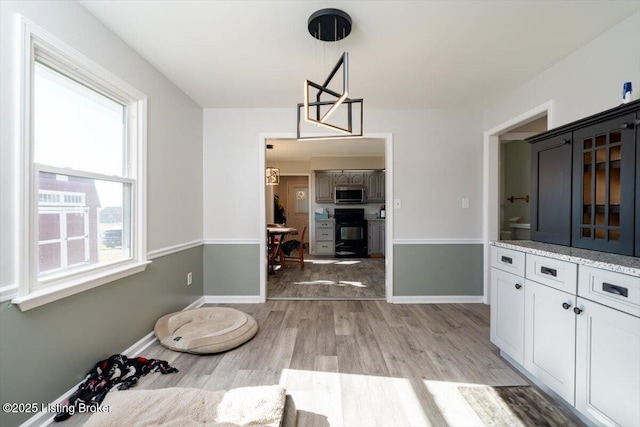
615	290
561	275
326	224
324	234
325	248
508	260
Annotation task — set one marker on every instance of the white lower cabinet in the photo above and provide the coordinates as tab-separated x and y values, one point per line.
581	333
607	365
507	313
550	337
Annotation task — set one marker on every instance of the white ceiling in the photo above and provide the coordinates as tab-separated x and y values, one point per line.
403	54
291	149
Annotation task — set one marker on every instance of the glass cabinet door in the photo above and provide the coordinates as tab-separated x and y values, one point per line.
603	186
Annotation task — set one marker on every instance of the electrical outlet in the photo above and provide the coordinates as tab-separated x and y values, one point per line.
397	203
465	203
189	278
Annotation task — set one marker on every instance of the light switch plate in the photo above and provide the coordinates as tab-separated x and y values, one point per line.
465	203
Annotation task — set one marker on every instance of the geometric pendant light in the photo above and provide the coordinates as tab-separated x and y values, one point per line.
323	106
272	176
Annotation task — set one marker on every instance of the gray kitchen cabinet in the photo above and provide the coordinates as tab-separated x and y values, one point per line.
324	187
325	237
357	178
376	237
348	178
375	185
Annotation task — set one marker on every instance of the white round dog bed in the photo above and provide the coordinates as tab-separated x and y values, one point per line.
205	330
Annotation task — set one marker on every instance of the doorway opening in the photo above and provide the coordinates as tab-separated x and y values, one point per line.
506	186
515	180
304	168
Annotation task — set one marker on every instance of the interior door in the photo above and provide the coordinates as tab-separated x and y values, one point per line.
297	204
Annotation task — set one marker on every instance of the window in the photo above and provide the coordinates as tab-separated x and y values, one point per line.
85	133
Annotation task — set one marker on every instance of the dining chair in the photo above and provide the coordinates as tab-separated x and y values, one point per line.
291	246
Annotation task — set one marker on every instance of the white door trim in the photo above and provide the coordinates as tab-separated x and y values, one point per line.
491	179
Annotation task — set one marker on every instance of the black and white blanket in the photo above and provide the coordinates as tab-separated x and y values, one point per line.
117	370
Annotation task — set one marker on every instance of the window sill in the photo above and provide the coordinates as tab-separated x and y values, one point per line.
45	296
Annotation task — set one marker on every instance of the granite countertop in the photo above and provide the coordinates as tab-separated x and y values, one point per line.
606	261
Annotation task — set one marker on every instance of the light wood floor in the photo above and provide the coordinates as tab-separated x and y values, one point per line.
354	363
329	278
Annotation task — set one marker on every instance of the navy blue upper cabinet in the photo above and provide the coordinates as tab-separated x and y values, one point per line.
598	208
551	190
637	214
603	186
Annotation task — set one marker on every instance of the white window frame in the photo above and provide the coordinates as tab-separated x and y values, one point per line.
77	66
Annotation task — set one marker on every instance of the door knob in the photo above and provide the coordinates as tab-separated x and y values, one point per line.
566	306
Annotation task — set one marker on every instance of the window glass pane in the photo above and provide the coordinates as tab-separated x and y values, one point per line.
76	127
49	255
301	203
615	136
81	223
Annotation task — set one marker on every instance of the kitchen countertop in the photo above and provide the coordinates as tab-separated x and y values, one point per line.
606	261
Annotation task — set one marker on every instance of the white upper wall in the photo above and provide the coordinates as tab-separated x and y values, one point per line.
437	160
174	137
584	83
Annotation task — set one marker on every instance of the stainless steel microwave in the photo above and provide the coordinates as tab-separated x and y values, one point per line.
349	195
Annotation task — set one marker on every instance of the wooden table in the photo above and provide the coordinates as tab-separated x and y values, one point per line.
273	249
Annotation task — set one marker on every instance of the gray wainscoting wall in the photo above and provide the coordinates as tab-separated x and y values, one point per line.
230	269
437	270
47	350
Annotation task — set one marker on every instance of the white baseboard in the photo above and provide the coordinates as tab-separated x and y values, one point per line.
232	299
46	418
446	299
197	303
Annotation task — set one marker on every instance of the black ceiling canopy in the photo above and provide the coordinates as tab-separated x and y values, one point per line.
329	25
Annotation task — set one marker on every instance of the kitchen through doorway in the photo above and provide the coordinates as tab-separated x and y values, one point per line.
298	202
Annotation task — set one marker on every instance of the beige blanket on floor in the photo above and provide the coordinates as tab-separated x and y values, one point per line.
182	407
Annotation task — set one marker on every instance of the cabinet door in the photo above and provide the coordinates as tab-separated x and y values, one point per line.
607	365
371	186
341	178
356	178
551	190
375	186
376	237
603	186
507	313
382	186
637	248
324	187
550	337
